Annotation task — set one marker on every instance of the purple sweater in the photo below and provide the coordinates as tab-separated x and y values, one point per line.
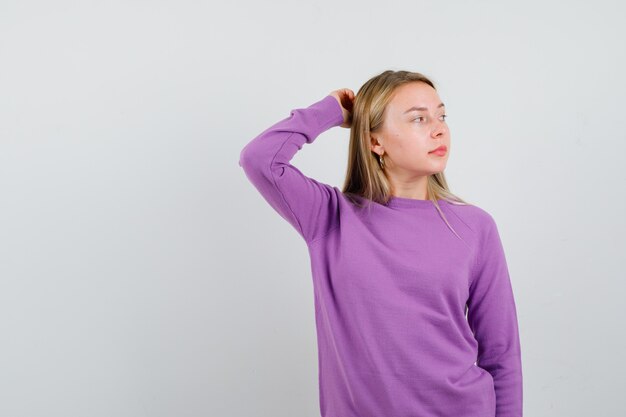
410	319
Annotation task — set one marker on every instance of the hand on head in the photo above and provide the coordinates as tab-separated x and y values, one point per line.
345	98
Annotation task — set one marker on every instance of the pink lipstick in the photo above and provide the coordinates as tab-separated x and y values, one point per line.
439	151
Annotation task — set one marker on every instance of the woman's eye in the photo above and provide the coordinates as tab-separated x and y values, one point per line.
445	116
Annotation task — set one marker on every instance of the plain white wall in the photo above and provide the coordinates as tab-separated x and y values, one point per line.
141	274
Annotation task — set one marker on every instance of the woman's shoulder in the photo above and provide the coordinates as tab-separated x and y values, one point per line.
474	216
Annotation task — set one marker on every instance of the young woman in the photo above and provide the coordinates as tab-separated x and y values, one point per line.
414	306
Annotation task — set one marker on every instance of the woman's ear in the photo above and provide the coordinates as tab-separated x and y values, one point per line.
375	145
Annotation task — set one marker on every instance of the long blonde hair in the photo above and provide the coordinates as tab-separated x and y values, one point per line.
365	178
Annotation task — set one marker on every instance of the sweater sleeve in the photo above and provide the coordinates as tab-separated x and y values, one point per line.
493	319
308	205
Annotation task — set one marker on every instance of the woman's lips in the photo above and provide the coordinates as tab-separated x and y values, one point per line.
439	151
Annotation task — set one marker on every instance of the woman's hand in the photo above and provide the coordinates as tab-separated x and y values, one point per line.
345	98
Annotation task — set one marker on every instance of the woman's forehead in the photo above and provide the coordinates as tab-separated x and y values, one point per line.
415	96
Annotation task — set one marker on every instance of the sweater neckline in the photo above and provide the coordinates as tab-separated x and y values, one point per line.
411	202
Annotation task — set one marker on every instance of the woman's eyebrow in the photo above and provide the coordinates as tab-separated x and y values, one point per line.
423	108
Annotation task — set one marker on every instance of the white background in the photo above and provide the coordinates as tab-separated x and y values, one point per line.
141	274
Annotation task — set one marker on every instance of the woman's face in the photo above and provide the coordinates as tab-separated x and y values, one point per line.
413	127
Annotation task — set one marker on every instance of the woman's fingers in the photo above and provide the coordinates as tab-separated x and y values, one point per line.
345	96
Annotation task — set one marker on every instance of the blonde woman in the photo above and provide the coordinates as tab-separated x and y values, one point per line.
415	312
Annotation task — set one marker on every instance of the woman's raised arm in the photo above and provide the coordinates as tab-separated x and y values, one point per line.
308	205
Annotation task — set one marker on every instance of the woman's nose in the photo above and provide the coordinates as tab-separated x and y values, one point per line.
440	129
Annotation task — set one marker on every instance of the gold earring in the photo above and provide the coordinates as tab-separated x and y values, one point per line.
381	160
